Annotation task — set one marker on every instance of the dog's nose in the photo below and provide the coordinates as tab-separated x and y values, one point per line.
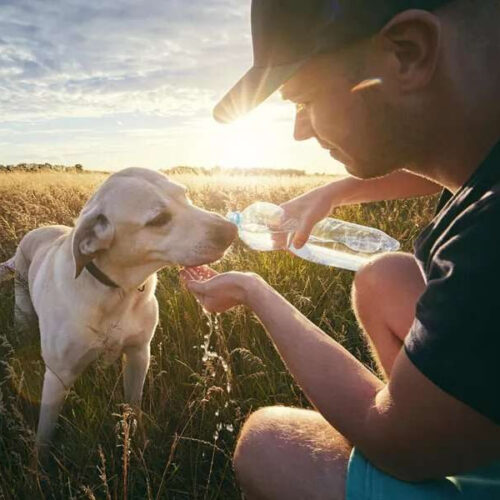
223	233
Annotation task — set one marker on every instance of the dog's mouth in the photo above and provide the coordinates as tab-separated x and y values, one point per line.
195	269
200	262
203	256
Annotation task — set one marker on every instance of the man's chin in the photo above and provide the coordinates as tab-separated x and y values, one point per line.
353	169
349	163
366	171
339	155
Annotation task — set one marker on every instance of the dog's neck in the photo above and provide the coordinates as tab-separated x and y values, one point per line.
100	276
115	278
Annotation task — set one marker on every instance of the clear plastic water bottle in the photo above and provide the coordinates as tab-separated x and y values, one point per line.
332	242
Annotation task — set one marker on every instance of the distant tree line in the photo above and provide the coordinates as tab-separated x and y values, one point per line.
233	171
37	167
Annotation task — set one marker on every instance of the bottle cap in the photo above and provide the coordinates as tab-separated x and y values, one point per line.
234	217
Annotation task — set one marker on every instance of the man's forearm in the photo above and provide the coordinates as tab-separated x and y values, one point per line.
337	384
397	185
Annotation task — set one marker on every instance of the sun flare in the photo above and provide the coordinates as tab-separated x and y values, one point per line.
250	141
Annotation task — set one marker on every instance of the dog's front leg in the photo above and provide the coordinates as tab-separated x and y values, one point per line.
136	367
54	393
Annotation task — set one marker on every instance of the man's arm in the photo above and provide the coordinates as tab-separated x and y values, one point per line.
409	428
397	185
317	204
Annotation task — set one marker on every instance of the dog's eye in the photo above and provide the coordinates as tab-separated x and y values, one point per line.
160	220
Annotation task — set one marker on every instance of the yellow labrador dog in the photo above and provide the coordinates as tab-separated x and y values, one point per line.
92	286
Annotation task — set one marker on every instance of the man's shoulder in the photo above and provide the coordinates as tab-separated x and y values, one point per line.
467	222
480	212
476	204
477	217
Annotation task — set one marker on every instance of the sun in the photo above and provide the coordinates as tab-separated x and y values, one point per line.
262	139
249	142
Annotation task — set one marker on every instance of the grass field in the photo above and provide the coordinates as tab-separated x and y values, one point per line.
194	407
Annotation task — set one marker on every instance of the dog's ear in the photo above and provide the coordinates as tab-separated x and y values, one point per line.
93	234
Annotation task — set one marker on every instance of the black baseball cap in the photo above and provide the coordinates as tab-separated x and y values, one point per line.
287	33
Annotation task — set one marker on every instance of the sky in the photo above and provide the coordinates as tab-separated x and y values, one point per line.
111	84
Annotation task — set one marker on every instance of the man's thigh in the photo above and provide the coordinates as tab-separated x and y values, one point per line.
291	453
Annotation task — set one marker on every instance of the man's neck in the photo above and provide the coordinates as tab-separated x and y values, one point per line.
453	163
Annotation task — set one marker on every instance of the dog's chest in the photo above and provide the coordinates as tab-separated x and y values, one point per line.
103	327
108	341
112	335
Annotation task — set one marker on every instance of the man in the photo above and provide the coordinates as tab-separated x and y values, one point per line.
385	86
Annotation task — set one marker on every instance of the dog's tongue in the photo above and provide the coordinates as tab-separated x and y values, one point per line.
198	272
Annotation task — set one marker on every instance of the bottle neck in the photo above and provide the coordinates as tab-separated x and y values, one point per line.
234	217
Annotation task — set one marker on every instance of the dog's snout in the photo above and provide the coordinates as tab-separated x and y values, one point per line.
223	233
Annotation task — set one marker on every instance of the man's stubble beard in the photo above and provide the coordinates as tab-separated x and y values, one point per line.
399	141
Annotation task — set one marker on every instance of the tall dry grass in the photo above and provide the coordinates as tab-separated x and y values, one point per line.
207	373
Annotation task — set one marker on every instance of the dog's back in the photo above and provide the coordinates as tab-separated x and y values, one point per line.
35	241
34	245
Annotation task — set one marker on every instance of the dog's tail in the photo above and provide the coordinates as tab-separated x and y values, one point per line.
7	269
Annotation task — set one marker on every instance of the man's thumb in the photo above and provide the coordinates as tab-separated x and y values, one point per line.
196	286
302	234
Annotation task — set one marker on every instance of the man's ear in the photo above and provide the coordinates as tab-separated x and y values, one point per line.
93	234
413	38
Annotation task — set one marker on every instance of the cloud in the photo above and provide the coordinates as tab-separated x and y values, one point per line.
110	83
89	58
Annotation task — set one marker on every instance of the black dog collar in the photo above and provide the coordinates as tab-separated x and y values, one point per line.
105	280
100	276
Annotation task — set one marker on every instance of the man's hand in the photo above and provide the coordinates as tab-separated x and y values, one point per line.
308	209
217	292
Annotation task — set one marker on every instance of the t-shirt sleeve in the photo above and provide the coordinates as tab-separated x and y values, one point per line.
455	337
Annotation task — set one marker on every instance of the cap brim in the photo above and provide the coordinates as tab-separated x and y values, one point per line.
255	87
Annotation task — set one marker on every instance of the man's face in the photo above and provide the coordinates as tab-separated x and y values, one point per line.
364	127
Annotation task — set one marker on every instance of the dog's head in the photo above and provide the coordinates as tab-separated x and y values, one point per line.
141	218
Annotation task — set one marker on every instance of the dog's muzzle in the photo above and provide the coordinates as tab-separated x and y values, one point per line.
223	233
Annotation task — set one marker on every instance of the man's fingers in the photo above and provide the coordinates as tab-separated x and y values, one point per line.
199	273
186	276
208	272
193	283
302	235
197	288
299	240
279	240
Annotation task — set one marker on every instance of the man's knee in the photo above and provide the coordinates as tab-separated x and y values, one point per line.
290	453
375	274
256	434
386	279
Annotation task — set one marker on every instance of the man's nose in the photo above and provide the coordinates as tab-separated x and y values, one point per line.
303	128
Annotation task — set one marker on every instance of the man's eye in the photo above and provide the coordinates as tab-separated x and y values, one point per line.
160	220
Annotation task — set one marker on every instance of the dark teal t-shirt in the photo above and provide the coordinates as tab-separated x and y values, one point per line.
455	337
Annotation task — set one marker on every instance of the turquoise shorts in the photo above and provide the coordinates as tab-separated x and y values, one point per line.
365	482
